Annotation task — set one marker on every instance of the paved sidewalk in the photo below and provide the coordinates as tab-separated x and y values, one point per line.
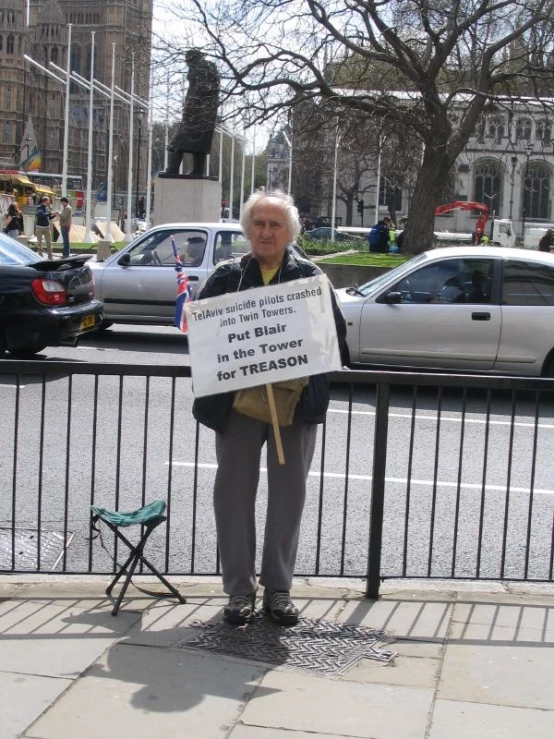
470	665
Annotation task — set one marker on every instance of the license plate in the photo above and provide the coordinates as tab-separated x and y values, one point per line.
87	322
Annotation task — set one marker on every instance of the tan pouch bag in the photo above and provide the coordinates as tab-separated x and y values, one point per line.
253	401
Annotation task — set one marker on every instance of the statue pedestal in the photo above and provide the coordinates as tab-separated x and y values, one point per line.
182	199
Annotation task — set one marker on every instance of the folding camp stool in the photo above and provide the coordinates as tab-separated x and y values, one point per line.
150	516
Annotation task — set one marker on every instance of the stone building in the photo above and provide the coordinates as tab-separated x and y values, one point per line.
32	104
508	164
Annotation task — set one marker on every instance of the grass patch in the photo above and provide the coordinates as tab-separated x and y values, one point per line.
368	259
321	247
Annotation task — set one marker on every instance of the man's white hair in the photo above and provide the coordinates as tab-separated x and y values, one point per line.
287	203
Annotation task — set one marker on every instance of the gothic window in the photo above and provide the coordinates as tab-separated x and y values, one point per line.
1	43
497	128
54	54
9	44
6	132
8	98
523	129
76	59
488	184
544	131
536	191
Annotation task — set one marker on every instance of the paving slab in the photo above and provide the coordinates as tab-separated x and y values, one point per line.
151	693
460	720
417	672
256	732
55	640
493	635
499	675
166	625
23	698
523	615
293	701
406	618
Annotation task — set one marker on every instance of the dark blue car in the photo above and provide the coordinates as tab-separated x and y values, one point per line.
43	302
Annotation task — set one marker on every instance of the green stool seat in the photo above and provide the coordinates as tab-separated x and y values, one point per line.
150	517
144	515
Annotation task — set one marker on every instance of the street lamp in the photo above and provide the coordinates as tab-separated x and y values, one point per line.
139	116
528	150
512	181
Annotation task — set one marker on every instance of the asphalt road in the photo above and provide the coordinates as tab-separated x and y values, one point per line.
436	464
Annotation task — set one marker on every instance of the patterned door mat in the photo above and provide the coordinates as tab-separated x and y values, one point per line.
323	647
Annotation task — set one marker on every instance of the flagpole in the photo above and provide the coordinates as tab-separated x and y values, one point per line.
108	234
130	172
150	147
242	176
231	186
66	118
88	237
253	175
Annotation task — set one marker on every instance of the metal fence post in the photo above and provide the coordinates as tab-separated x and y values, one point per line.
378	491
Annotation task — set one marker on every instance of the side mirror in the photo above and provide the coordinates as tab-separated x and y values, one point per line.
393	298
124	260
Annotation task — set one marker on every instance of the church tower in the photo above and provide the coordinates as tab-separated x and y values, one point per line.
12	81
48	43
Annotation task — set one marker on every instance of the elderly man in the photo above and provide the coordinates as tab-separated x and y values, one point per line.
270	222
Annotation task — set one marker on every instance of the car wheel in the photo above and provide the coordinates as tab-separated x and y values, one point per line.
26	353
548	367
104	325
2	346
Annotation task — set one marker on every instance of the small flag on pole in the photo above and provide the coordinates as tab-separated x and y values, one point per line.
183	291
33	162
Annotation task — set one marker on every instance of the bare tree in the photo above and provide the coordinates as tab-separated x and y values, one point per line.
434	54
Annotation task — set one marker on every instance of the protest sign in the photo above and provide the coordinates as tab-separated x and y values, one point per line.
263	335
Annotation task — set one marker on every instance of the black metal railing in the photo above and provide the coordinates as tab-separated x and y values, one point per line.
415	475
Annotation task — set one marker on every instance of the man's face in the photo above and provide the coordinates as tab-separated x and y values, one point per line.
269	234
46	201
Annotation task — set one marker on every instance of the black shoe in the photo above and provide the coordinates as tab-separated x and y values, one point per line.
280	607
240	609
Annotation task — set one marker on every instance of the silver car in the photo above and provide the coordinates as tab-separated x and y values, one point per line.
138	284
475	308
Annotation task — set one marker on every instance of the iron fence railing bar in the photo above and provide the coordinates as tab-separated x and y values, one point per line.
407	507
378	491
459	482
41	458
536	416
67	468
508	485
92	498
435	482
118	458
551	568
346	478
320	499
144	453
483	485
194	498
170	473
14	465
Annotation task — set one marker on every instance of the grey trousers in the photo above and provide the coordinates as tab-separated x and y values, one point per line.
236	484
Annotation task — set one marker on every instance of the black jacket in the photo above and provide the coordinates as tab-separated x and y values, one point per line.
229	277
43	215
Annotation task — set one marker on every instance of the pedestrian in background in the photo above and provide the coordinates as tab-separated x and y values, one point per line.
12	223
271	223
547	241
43	230
379	235
66	214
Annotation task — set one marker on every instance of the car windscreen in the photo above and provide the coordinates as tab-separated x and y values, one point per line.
14	254
377	282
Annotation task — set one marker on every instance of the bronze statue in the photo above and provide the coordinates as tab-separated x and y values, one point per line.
195	133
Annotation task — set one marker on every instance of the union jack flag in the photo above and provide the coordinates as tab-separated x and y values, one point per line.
184	290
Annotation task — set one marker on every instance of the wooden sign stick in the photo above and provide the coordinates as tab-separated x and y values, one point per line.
275	424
